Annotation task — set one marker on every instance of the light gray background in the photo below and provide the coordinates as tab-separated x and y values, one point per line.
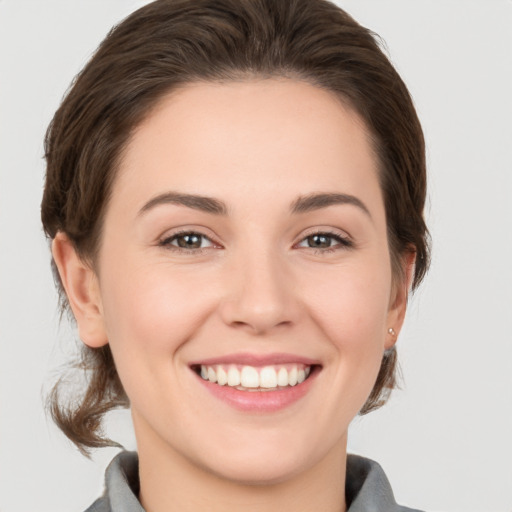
445	440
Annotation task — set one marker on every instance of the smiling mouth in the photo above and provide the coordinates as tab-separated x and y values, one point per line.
255	378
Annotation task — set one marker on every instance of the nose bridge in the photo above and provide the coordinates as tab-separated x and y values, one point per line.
260	294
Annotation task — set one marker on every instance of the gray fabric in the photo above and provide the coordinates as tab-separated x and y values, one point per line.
367	488
121	486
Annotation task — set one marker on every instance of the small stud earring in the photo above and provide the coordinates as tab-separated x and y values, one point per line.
392	331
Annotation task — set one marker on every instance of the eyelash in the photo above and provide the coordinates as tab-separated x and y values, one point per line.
342	242
167	242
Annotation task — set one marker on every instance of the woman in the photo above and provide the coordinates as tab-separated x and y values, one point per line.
235	195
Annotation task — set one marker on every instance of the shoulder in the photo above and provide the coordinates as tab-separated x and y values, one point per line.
368	489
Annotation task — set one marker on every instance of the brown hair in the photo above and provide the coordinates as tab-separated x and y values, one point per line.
169	43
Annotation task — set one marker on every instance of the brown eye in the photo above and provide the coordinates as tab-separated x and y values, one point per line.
319	241
187	241
325	241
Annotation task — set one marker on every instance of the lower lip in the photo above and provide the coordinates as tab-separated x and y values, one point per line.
260	401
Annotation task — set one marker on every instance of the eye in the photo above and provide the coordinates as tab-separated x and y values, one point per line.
188	241
325	241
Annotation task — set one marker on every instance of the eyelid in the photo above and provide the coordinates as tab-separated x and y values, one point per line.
325	230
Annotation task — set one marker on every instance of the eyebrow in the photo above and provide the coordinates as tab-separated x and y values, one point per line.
214	206
202	203
323	200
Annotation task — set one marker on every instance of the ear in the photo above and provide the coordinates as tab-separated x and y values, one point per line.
82	290
398	299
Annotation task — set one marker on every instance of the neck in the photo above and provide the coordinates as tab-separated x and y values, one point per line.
169	482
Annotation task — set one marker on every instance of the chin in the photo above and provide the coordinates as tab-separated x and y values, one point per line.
258	471
259	459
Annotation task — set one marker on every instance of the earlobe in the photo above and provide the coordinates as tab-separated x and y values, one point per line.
82	290
398	302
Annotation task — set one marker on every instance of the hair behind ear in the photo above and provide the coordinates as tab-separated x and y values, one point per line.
385	383
80	418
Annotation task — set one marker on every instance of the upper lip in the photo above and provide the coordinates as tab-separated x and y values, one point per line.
248	359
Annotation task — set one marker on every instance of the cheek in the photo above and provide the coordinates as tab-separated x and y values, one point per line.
351	304
152	311
348	305
149	317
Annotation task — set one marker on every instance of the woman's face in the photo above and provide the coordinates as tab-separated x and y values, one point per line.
246	239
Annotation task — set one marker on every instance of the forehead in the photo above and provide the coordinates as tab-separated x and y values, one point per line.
221	139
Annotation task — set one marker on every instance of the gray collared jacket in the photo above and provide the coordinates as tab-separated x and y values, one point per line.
367	488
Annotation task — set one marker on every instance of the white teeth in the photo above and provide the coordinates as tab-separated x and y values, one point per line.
252	378
212	375
292	376
268	377
282	377
222	376
233	377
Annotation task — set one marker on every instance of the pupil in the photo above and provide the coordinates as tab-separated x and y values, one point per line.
319	241
190	241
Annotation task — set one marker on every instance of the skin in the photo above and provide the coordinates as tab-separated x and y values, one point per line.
255	286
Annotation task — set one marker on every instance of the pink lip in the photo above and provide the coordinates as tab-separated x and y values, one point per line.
259	401
256	360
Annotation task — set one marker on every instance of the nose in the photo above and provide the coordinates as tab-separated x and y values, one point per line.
260	296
